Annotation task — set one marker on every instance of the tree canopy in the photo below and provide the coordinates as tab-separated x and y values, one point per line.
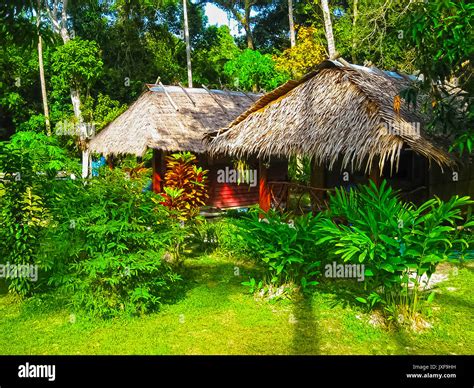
105	51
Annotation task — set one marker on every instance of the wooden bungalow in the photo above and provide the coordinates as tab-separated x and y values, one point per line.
351	121
172	119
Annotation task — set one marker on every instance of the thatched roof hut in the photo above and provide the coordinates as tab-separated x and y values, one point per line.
173	119
334	113
170	118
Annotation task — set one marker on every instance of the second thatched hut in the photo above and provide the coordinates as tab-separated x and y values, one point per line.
350	120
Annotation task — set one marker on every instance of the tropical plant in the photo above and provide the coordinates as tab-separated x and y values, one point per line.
185	186
30	163
204	236
284	248
109	245
399	244
137	283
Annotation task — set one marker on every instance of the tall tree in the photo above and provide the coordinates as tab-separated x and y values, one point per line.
292	24
271	25
44	96
57	13
354	30
188	45
241	10
443	37
328	28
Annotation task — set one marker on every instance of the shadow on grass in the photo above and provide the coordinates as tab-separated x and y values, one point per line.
404	344
208	270
457	301
306	329
341	292
196	272
3	287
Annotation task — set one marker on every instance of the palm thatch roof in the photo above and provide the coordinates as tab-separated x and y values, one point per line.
334	113
170	118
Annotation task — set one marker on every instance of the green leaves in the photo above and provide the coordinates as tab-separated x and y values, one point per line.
110	285
441	33
77	64
30	163
254	71
287	251
397	242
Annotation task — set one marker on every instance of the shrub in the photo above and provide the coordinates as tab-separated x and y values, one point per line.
285	249
232	237
110	247
397	242
254	71
136	283
30	163
204	236
185	186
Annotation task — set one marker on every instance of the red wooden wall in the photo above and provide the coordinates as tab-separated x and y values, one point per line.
227	195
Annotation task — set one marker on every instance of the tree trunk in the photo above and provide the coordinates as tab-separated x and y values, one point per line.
85	163
76	101
64	32
60	27
188	45
292	24
246	23
44	96
76	104
354	22
328	29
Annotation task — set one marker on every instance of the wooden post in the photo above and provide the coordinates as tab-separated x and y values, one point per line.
318	180
158	170
286	192
264	191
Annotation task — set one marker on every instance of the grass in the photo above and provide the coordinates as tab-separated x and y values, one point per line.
219	317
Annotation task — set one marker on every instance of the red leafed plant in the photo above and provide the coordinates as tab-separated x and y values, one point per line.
185	185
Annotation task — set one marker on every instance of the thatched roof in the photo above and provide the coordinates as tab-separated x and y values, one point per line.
170	118
334	113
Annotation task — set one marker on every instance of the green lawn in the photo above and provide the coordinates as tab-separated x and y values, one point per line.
217	316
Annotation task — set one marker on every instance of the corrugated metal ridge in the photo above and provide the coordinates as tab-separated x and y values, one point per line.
177	89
